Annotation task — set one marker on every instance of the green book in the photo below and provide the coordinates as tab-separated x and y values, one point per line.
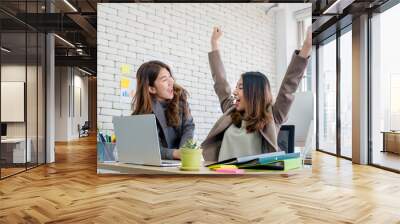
283	165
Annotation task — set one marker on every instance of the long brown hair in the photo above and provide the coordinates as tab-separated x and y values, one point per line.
142	101
258	97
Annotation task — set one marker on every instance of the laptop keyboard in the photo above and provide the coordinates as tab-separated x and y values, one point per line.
170	161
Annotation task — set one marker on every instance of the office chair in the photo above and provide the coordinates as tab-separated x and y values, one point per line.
84	130
286	138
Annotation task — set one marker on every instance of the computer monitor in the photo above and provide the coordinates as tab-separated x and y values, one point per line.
3	129
286	138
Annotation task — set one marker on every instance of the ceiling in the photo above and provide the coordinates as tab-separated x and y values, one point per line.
76	25
75	21
330	16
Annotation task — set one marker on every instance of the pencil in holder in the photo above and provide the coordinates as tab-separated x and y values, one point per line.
106	152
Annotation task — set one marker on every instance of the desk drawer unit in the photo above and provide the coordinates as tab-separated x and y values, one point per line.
14	152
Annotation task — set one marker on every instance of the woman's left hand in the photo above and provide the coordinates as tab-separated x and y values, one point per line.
305	51
176	154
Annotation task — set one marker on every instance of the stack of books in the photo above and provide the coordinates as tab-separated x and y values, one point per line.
268	161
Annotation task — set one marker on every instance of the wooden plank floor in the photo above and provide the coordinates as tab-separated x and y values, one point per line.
10	171
70	191
387	159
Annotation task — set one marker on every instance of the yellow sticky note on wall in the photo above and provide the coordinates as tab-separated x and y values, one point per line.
125	69
125	83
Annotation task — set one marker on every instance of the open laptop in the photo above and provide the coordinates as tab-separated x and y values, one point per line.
137	141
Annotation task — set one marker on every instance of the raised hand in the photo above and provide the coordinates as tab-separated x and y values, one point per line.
305	51
216	34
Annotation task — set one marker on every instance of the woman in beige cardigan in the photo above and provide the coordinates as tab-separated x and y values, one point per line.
250	121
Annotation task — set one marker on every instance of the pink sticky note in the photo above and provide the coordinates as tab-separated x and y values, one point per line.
234	171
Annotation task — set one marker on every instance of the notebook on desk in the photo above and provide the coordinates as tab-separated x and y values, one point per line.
276	162
244	159
269	161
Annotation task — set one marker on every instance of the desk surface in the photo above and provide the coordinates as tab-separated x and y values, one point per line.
391	132
123	168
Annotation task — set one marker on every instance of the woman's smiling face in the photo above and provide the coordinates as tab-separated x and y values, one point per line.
163	86
240	101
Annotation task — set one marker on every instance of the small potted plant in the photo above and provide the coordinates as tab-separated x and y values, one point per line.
190	155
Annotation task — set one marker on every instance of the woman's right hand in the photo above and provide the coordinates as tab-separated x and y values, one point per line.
217	33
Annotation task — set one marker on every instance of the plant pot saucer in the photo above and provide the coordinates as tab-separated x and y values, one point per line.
189	168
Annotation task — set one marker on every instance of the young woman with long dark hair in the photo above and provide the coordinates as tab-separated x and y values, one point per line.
158	93
251	120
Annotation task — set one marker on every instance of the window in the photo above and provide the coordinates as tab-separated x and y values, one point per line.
327	97
385	88
22	77
346	94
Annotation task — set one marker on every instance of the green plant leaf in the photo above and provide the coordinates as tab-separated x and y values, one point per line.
190	144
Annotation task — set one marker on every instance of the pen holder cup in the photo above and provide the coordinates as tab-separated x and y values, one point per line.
190	159
106	152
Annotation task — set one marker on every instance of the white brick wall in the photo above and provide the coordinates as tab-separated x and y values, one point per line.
179	35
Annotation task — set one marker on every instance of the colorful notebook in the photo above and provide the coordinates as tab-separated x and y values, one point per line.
268	160
284	165
244	159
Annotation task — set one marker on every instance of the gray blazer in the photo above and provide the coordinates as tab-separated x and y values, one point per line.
172	138
212	144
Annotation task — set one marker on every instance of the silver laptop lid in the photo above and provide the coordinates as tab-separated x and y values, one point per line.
137	139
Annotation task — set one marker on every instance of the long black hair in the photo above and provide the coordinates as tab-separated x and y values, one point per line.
258	97
142	101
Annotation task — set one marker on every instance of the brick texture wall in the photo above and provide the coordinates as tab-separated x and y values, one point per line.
179	35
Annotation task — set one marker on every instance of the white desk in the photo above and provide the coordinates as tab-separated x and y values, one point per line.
18	150
123	168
